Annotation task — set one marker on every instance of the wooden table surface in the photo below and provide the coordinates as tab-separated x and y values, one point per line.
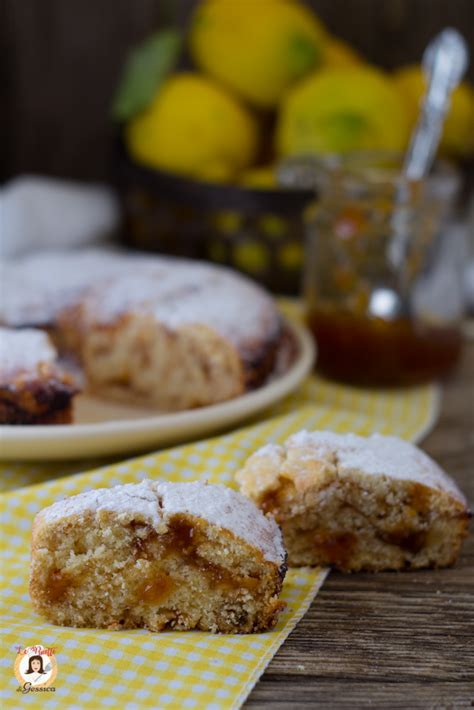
391	640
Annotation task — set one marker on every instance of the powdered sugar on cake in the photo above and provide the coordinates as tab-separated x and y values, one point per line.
271	451
109	283
126	501
24	350
227	509
374	455
181	293
154	502
37	287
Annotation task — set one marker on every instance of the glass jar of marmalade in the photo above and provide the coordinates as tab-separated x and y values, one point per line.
383	285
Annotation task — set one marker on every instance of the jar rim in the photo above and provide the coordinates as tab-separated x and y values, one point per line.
370	167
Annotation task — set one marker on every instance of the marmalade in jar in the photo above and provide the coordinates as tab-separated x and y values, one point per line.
364	350
383	274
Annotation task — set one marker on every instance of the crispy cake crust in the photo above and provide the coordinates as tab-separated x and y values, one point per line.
46	400
33	388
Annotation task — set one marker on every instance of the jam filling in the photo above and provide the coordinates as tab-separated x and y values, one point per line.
183	541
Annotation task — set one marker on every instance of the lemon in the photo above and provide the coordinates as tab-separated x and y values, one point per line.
194	127
262	177
339	110
257	48
339	54
458	132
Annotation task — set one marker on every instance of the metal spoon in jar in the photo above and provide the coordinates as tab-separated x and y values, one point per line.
445	61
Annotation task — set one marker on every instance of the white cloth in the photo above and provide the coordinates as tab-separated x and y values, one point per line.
42	213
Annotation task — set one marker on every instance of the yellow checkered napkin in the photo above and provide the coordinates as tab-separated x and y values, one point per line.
408	412
136	669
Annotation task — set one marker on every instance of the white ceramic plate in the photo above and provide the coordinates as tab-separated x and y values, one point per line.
102	428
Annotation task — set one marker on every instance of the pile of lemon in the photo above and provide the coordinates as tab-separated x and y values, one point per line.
274	58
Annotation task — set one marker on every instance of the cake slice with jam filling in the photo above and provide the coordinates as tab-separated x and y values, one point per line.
158	555
358	503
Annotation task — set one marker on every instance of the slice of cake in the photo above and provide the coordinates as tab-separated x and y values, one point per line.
157	555
33	388
173	335
357	503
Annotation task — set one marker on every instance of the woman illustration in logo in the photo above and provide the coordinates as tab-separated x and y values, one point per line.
35	666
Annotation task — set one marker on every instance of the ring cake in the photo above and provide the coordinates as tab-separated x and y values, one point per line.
33	388
166	333
155	555
358	503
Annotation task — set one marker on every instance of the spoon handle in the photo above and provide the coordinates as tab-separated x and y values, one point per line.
444	62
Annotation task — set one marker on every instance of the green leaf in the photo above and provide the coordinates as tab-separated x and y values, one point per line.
146	67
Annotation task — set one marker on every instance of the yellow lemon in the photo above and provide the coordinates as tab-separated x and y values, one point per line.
261	177
258	48
194	127
458	132
339	110
339	54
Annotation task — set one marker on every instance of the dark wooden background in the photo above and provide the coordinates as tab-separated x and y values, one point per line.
60	61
